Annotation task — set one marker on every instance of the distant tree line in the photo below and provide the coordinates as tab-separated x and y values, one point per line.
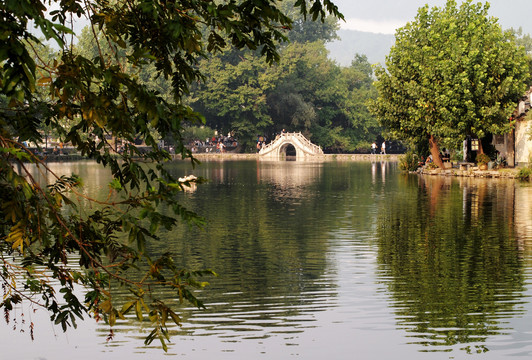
240	92
305	91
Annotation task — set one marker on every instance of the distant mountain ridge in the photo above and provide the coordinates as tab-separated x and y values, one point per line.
374	46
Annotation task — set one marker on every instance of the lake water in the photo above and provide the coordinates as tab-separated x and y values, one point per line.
331	260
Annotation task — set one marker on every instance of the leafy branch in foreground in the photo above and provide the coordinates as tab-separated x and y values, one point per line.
55	237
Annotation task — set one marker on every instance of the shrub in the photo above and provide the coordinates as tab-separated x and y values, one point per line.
483	159
524	173
409	162
431	166
192	133
457	155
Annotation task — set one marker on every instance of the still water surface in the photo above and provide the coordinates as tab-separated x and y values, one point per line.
332	260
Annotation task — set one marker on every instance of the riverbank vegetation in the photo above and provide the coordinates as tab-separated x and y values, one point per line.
452	73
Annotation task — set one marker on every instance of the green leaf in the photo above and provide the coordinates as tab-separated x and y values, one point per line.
163	343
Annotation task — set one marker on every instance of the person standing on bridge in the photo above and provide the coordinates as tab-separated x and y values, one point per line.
383	148
374	148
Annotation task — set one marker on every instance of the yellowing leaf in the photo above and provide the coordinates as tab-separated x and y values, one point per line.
44	81
112	318
138	310
106	306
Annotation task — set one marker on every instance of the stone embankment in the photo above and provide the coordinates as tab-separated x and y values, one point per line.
323	157
240	156
505	173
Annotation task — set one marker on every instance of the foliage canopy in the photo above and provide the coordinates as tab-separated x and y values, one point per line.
452	72
305	92
47	232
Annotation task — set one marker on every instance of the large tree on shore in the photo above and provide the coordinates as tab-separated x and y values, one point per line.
45	237
452	72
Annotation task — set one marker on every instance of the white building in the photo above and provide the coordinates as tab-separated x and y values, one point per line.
516	146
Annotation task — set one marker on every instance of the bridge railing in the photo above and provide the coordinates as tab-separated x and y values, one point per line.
314	147
267	147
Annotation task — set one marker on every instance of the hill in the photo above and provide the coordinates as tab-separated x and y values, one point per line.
374	46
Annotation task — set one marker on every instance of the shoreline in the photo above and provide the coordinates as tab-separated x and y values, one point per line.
504	173
508	173
324	157
253	156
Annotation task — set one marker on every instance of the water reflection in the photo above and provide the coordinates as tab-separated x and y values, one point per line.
380	168
336	258
257	237
456	266
289	180
523	217
95	178
289	175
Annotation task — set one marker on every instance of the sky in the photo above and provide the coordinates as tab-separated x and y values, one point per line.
385	16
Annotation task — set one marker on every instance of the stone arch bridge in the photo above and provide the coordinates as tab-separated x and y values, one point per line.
290	144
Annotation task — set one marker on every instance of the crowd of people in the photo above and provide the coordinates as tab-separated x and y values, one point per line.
218	144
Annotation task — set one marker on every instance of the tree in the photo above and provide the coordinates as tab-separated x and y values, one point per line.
345	100
244	96
305	30
306	92
305	70
233	98
340	120
452	72
44	231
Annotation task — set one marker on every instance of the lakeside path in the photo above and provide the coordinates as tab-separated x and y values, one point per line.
324	157
238	156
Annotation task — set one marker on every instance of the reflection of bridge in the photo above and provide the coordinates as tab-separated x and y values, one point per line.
287	144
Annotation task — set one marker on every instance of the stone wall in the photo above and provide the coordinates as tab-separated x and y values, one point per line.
324	157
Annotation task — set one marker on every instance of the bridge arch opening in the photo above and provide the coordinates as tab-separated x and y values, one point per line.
288	152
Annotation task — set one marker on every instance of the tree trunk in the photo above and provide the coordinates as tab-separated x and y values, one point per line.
480	148
435	152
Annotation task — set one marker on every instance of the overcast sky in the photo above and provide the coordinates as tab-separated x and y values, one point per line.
384	16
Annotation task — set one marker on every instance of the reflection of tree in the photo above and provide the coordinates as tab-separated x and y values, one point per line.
523	216
267	249
453	258
98	175
243	221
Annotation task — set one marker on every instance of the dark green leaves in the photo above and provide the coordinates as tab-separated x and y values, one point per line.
452	72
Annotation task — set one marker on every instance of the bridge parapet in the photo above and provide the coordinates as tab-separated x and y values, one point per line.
276	149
